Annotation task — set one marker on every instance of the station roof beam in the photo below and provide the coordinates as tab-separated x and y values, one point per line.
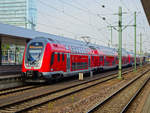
146	6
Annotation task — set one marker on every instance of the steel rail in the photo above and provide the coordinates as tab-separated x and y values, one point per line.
134	96
18	89
30	107
97	106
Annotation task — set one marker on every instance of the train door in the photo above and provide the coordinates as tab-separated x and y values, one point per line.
105	61
89	60
68	62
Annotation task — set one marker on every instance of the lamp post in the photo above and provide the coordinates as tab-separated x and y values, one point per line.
120	43
135	41
140	49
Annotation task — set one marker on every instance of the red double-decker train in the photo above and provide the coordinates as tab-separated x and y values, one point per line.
57	57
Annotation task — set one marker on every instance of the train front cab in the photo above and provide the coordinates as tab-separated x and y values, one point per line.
34	63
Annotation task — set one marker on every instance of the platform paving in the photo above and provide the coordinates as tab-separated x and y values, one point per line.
10	69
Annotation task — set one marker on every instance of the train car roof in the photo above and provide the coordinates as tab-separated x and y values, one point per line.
104	49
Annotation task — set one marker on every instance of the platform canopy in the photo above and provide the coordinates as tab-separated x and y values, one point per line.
146	6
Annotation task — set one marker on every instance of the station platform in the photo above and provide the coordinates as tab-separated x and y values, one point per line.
6	70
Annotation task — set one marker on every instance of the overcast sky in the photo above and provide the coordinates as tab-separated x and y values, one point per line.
77	18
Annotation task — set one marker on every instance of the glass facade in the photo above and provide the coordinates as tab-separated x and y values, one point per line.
22	13
12	50
11	57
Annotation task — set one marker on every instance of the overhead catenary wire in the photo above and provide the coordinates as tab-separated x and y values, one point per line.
61	29
137	5
55	17
92	13
103	5
87	11
58	28
121	1
68	15
72	16
47	14
84	9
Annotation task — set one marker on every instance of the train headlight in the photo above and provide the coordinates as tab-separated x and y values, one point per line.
51	69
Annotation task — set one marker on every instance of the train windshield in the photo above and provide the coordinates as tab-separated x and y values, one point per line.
34	52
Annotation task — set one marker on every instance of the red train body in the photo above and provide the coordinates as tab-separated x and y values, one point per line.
56	57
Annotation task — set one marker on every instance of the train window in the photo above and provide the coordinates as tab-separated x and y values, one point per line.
101	58
116	58
35	50
92	47
67	47
58	57
92	58
79	65
52	58
50	39
63	57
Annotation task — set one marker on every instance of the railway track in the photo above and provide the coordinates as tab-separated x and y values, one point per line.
26	87
120	100
17	89
134	96
38	97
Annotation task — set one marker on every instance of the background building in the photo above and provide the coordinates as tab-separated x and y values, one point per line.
22	13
